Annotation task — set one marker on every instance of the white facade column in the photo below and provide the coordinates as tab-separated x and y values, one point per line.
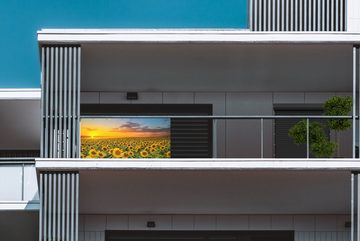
353	15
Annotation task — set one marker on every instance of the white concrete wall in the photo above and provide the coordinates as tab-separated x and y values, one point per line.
306	227
232	133
353	11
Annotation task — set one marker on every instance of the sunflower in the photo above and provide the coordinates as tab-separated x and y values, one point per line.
117	153
144	153
92	152
168	154
125	155
131	154
101	154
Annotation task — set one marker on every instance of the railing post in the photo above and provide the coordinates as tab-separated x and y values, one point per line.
214	138
352	207
355	51
307	139
22	182
262	137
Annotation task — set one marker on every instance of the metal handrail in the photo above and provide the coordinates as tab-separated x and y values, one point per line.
222	116
17	160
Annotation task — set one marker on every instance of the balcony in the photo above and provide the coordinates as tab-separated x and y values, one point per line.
18	185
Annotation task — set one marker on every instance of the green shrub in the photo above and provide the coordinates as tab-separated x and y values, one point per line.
320	145
338	106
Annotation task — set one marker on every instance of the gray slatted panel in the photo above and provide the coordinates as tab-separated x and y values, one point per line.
260	15
335	15
42	102
305	12
74	97
301	16
315	16
69	139
60	101
341	24
67	207
273	19
291	16
51	106
41	210
287	13
255	13
54	208
43	196
76	206
72	213
278	4
251	18
63	213
328	27
46	100
56	90
297	15
58	236
323	15
332	24
318	8
49	206
59	198
78	103
65	102
269	11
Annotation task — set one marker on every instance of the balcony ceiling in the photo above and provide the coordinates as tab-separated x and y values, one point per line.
209	67
215	192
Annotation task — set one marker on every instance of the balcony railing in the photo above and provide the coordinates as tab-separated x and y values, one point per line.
262	126
18	183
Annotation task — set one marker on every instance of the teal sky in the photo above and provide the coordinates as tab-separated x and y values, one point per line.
20	19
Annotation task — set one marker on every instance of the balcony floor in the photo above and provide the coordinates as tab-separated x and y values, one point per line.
346	164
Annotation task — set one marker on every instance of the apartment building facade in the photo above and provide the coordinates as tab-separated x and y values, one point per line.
228	98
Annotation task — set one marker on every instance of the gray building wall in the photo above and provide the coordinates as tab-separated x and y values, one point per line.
232	134
306	227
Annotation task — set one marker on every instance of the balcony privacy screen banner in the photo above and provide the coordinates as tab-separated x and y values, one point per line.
125	138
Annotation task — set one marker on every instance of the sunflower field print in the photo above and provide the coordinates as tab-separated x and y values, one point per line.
125	138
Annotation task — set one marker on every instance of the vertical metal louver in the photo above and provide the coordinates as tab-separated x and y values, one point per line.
298	15
59	206
60	84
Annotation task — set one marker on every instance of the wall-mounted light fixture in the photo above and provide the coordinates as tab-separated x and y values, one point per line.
132	96
151	224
